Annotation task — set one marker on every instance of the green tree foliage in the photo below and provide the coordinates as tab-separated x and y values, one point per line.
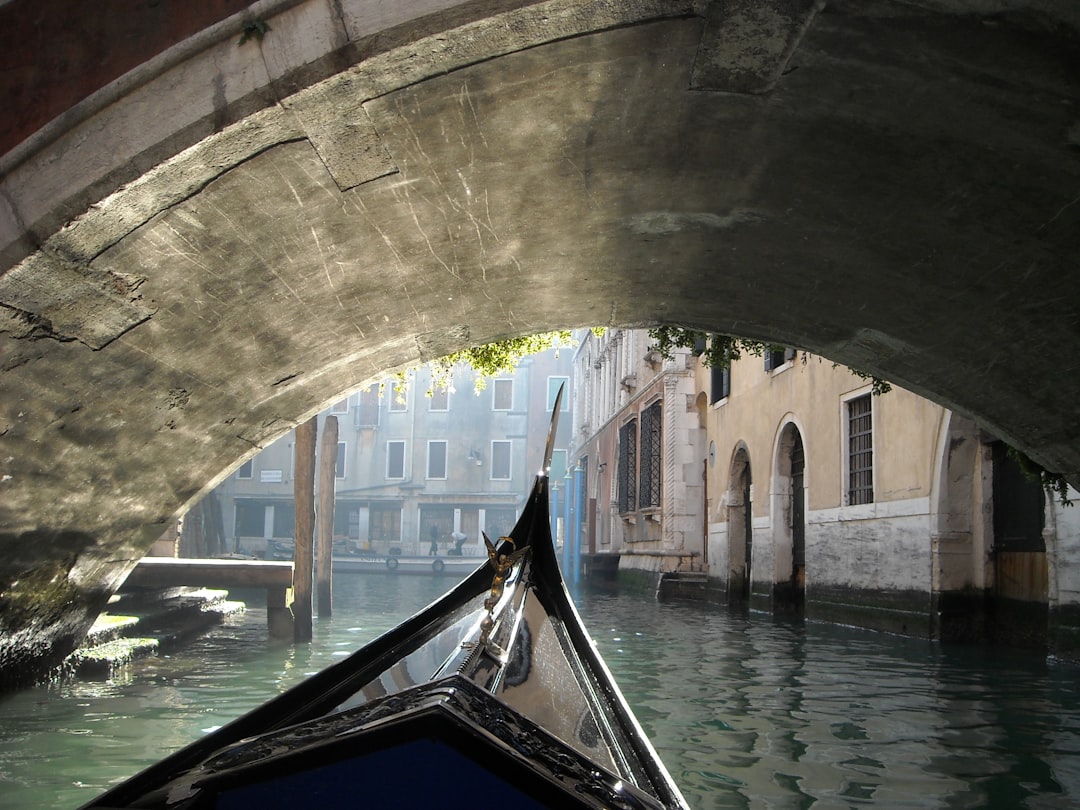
488	360
1053	483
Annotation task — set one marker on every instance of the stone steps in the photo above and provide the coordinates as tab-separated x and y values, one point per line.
682	585
140	623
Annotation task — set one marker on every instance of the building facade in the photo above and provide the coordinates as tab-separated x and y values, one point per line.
639	446
413	466
796	489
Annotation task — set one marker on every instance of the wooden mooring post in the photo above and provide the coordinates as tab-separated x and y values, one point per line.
304	500
324	518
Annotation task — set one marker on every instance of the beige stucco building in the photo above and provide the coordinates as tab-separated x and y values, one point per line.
786	484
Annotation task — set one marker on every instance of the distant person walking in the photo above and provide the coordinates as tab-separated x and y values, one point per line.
433	550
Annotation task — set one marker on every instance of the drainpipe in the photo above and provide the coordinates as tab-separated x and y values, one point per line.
568	522
553	516
579	510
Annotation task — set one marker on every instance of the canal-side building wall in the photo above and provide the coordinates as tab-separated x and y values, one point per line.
889	512
796	489
412	465
638	441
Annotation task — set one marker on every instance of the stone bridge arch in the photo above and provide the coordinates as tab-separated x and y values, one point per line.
219	243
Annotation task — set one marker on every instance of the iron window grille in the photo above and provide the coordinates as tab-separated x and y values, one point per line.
651	446
860	451
628	467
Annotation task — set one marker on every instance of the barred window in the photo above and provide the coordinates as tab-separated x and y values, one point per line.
651	444
860	451
628	467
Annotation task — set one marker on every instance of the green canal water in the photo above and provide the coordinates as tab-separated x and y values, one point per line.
746	711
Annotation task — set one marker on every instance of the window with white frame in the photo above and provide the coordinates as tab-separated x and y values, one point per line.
500	460
776	357
558	464
395	460
341	406
339	462
439	399
436	459
246	470
367	407
860	450
502	395
553	386
399	400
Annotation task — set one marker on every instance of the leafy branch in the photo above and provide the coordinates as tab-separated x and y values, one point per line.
1053	483
488	360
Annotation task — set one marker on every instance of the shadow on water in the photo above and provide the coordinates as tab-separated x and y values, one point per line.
748	711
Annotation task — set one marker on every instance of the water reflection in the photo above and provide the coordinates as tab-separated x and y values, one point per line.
752	712
747	711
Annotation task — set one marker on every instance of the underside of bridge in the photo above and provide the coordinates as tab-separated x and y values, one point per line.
299	197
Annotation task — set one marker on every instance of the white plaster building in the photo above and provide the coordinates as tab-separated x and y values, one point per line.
639	443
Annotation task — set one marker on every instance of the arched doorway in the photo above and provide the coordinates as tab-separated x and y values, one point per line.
740	529
789	525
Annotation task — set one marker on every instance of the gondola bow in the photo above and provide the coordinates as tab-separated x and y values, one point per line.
493	695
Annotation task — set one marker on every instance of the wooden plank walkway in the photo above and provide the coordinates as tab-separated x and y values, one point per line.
275	577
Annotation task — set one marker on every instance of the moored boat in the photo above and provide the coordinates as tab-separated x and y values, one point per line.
492	695
399	564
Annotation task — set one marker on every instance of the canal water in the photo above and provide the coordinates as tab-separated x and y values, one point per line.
747	711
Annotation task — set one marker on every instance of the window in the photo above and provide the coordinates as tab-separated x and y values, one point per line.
860	450
558	464
651	444
439	399
436	459
776	358
284	520
628	467
367	407
245	470
502	395
339	462
399	400
499	522
500	460
342	406
721	384
384	524
395	460
250	518
553	386
436	523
